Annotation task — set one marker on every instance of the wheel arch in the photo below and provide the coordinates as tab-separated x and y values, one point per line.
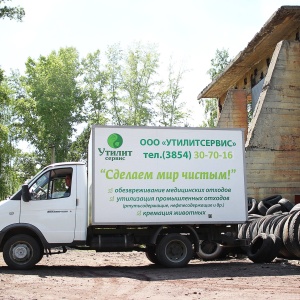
28	229
187	228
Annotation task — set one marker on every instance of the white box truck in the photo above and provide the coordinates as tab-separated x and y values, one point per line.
153	189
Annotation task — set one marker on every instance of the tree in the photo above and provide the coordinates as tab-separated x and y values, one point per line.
171	111
58	92
51	102
138	79
95	80
13	13
7	150
26	165
218	64
79	148
115	56
4	143
7	182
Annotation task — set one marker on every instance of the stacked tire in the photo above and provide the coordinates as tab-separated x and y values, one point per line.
273	229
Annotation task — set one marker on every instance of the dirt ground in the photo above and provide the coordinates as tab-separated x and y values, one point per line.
91	275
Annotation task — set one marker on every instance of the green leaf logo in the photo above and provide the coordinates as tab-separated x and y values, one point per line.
115	141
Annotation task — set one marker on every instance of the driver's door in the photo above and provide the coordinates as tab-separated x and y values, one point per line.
50	209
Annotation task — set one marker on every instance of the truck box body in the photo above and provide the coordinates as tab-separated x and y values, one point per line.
156	175
173	193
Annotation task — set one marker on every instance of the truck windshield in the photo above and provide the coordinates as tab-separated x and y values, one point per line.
39	189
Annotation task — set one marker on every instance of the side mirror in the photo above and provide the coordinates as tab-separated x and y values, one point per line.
25	193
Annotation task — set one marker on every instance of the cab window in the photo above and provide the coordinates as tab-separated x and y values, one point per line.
52	185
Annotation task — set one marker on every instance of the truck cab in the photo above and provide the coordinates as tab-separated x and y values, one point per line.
50	211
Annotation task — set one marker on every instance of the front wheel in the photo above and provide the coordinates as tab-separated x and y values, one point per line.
21	252
174	250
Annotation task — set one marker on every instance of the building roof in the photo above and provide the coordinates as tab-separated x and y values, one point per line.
277	28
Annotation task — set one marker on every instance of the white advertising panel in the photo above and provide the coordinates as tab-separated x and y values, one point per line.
144	175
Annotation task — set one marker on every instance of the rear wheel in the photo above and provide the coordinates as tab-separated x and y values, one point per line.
21	252
174	250
151	255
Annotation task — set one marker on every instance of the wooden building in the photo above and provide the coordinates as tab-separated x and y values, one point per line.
260	92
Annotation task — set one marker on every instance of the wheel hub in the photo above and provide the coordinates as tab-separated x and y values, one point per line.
175	251
21	252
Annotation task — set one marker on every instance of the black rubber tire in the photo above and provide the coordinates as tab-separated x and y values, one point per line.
283	252
41	255
289	235
262	226
279	228
253	217
21	252
243	230
258	250
262	208
274	251
151	255
274	223
286	204
250	230
255	229
269	225
174	251
274	208
269	201
293	231
209	250
252	205
295	208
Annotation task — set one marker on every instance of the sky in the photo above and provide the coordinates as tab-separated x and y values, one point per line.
189	31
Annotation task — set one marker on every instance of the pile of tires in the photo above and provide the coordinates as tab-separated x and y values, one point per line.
273	229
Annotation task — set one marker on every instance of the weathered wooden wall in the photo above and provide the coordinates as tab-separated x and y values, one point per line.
273	142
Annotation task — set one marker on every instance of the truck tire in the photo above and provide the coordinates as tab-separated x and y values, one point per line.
274	251
210	250
295	208
290	234
259	248
151	255
242	230
174	251
262	208
41	255
252	205
278	231
275	209
286	204
21	252
269	201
